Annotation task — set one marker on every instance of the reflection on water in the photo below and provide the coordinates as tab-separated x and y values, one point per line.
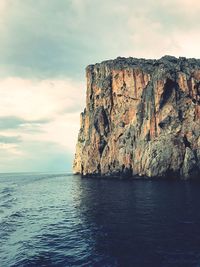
63	220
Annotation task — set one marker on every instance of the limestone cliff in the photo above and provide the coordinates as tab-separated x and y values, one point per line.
142	117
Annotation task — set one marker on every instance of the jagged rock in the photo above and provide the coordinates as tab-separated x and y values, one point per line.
142	117
189	164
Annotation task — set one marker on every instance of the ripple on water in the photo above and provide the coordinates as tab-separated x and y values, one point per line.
57	220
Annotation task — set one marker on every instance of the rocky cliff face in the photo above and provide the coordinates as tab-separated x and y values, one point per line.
142	117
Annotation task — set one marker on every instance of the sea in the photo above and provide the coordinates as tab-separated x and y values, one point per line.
65	220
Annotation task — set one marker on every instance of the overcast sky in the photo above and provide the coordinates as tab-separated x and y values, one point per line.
45	46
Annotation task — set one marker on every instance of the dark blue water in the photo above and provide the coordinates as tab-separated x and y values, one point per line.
63	220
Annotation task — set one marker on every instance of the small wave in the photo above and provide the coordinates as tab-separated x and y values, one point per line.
40	259
75	222
6	228
7	191
188	222
17	214
7	202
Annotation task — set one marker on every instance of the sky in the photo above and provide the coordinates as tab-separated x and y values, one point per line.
45	46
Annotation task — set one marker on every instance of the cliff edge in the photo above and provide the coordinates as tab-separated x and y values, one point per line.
142	117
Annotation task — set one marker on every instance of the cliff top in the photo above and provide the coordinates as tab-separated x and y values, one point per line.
167	61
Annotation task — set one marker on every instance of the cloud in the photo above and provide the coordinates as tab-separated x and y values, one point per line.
36	101
3	6
45	40
12	122
10	149
9	145
44	48
10	139
59	38
45	156
39	117
63	131
189	8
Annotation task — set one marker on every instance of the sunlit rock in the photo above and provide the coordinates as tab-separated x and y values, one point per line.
142	117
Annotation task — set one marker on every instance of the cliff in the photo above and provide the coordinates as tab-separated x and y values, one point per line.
142	117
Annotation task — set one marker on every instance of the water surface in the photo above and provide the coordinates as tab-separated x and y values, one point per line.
63	220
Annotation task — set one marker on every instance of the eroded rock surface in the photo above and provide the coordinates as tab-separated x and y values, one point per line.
142	117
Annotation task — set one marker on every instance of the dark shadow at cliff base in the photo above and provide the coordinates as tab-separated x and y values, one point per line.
168	176
143	223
